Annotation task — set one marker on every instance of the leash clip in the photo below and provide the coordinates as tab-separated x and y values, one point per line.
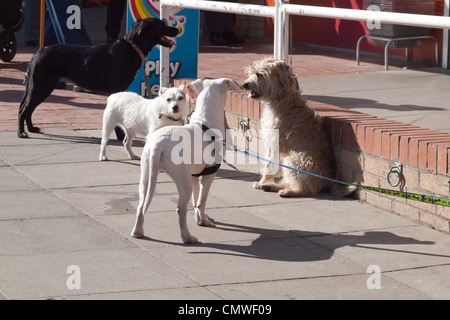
244	126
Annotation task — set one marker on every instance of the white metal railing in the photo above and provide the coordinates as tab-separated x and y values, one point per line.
281	12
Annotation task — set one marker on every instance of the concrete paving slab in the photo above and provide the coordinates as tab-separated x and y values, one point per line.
179	293
57	213
321	216
26	204
392	248
256	260
119	199
48	150
431	281
408	96
233	196
50	235
45	276
36	139
47	154
13	180
229	224
83	174
337	287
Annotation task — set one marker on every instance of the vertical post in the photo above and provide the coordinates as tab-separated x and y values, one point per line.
446	38
286	34
278	31
42	23
164	52
281	31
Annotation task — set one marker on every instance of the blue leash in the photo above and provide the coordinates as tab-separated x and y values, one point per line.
394	193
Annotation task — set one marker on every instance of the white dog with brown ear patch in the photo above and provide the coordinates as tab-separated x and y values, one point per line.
185	153
140	116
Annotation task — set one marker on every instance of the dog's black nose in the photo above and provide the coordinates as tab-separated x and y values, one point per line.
175	108
246	86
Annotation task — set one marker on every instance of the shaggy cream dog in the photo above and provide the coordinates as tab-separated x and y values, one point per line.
292	132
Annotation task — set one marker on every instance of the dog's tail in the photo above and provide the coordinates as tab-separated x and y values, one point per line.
149	176
341	190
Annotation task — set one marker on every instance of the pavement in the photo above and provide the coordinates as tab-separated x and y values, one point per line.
66	218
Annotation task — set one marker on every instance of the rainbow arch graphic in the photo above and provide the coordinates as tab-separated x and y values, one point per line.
141	9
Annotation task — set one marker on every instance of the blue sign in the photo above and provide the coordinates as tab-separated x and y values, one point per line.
183	54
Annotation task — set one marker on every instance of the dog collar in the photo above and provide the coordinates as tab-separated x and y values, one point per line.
169	117
136	48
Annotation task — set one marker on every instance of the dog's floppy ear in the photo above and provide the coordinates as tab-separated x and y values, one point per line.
194	88
182	87
232	85
285	74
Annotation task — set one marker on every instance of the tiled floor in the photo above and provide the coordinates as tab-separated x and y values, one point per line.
305	60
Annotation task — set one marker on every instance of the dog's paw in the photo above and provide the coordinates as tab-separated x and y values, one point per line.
137	233
257	185
202	221
190	240
135	157
22	134
260	186
103	158
284	193
205	223
34	129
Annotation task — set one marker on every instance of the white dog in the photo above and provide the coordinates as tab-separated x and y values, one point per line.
140	116
185	153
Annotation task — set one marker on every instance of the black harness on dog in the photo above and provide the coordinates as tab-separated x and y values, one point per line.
211	169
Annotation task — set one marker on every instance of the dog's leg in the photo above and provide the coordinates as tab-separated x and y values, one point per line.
129	136
200	216
106	133
298	184
21	128
183	182
195	190
33	97
270	169
288	192
265	180
147	186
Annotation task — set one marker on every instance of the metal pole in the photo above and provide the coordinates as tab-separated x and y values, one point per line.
281	32
406	19
42	20
277	32
164	59
227	7
445	38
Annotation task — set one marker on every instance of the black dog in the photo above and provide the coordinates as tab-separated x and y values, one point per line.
104	68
